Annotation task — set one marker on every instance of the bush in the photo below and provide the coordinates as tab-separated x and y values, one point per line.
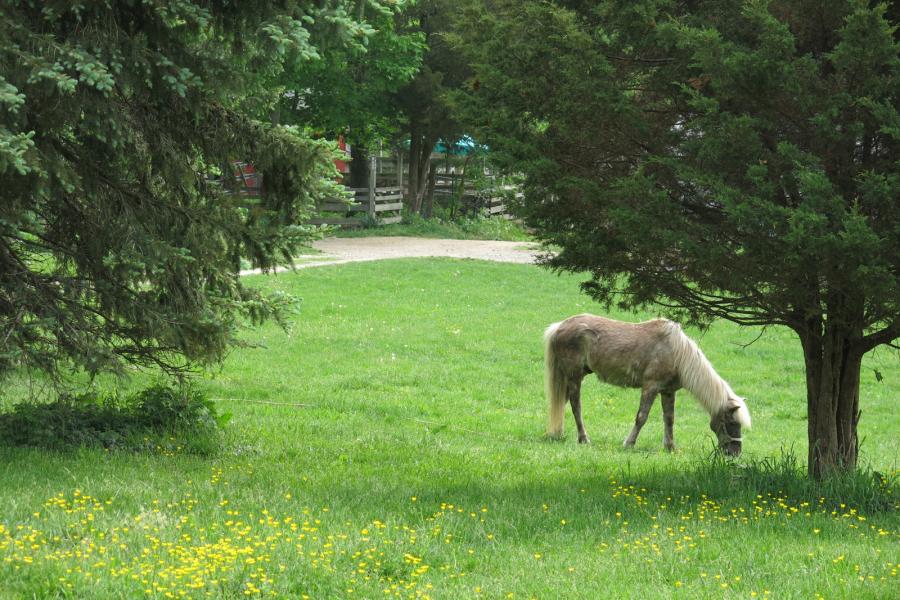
167	407
160	417
475	227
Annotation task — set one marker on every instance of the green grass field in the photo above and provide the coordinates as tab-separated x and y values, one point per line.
391	446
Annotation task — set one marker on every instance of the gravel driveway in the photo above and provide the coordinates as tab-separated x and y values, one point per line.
335	251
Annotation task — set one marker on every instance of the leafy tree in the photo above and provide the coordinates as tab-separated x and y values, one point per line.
430	116
724	159
352	90
118	242
394	86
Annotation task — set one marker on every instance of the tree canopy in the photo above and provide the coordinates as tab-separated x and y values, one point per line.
719	160
120	235
351	90
426	102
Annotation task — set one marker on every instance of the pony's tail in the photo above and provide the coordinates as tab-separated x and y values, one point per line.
554	386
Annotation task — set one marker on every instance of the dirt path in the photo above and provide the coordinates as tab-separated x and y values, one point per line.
335	251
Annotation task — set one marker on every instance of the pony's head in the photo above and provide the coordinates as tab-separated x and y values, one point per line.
727	423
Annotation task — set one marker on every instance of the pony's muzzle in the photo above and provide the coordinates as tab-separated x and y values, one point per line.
732	448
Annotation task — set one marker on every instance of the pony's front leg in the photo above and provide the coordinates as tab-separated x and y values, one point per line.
574	394
648	395
668	405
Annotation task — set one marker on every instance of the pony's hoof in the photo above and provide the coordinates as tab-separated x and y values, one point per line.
628	445
670	447
583	439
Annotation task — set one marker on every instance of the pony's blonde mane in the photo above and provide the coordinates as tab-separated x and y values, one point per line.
700	379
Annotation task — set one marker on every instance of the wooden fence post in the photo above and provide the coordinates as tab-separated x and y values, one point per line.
373	173
400	170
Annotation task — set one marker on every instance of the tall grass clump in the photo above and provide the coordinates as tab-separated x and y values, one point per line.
469	227
781	475
160	417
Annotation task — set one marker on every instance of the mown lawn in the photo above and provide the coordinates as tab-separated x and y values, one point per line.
391	446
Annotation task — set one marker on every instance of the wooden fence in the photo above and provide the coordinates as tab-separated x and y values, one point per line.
494	206
489	201
383	207
373	204
382	201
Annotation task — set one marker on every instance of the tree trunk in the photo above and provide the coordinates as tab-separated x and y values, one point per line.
833	361
415	149
424	168
359	166
420	148
460	191
428	204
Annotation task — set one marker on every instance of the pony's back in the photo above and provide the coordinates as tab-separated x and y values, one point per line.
619	353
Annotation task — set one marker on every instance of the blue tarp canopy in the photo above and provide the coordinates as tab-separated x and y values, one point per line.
462	147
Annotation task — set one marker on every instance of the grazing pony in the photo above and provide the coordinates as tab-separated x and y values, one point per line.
655	356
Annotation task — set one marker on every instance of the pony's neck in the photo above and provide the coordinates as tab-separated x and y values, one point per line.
697	374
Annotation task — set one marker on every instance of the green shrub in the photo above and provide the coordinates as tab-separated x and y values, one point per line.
476	227
160	417
162	406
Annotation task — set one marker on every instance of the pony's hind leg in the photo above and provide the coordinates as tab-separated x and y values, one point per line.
573	392
648	395
667	399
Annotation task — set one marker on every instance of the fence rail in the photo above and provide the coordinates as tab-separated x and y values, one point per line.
383	207
491	201
382	201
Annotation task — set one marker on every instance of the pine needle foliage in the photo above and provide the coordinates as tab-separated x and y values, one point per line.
121	226
734	160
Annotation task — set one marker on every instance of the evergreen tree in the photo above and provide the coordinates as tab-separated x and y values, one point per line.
723	159
119	121
425	100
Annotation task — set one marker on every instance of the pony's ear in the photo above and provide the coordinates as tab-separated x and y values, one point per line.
738	409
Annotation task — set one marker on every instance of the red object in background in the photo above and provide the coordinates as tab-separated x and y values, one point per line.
250	180
247	174
342	165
